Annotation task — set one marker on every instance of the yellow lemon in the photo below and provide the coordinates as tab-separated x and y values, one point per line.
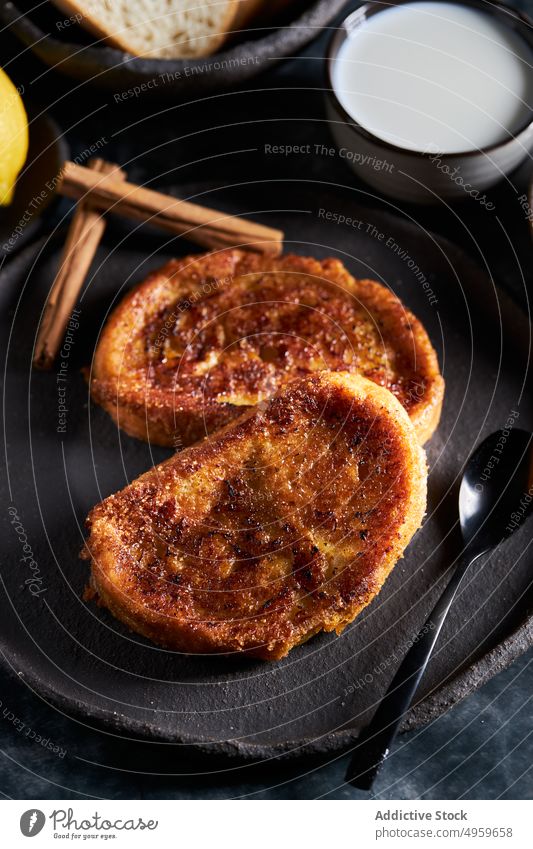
13	137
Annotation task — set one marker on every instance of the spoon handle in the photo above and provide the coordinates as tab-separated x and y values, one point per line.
373	745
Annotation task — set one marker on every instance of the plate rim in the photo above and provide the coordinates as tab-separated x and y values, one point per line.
297	34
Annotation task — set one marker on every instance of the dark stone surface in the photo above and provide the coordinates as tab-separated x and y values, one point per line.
480	748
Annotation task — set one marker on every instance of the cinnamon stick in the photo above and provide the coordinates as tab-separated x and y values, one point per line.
207	227
84	235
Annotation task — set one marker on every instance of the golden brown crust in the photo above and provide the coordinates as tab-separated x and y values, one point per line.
210	335
285	523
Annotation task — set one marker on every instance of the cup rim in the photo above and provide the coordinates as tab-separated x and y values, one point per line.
523	24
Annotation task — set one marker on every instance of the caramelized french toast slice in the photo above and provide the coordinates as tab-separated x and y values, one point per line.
209	336
283	524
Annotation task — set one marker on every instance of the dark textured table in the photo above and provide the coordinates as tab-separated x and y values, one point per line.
480	749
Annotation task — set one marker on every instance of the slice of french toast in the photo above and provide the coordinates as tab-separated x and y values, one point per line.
208	336
283	524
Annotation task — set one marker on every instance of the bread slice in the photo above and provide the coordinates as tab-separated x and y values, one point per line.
208	336
284	524
163	29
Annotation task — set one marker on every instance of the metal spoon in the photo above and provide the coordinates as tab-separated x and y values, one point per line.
495	497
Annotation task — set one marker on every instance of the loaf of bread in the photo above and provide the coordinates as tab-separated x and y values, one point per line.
166	29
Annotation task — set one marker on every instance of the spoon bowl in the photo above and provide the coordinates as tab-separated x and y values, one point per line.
496	491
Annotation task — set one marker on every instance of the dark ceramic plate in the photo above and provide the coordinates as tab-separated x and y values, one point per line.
46	154
79	658
70	50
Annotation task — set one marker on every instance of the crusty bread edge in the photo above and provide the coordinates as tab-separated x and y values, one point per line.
417	476
164	427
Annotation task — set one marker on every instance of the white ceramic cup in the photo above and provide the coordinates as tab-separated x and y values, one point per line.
424	177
